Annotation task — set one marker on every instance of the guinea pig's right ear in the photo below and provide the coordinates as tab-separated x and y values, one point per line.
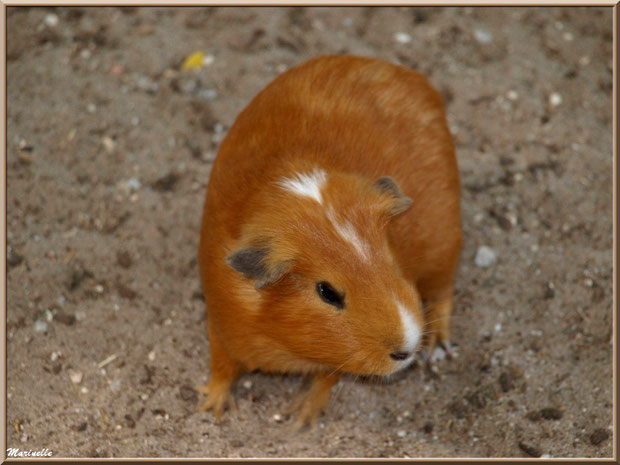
253	262
400	202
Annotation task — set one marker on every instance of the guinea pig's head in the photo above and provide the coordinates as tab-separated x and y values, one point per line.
329	288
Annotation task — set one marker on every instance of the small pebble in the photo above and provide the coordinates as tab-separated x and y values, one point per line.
151	355
135	120
116	69
188	393
512	95
134	184
91	107
485	256
51	20
555	99
85	54
208	60
498	327
277	418
208	94
598	436
247	384
506	382
551	413
108	144
483	37
40	326
99	289
76	376
236	443
530	450
402	433
402	37
428	427
84	390
568	37
115	385
584	60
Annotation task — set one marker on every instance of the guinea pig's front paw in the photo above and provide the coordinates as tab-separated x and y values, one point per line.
218	399
437	332
307	408
440	351
309	405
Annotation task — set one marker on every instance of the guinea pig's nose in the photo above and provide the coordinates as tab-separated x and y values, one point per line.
399	355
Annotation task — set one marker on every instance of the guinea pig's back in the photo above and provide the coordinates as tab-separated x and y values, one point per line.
357	115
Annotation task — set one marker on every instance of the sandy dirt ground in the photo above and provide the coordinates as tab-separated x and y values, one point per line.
109	151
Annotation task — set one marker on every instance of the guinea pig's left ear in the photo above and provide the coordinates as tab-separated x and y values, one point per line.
253	262
401	202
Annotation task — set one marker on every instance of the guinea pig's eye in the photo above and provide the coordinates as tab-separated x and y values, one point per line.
330	295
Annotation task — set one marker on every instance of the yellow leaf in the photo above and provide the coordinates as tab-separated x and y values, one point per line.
193	61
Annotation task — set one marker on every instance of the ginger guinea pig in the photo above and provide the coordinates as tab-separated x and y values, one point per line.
332	213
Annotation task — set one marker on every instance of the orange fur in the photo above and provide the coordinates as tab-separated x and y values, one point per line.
357	119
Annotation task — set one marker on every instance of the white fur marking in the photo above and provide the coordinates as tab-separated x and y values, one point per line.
306	184
411	330
348	232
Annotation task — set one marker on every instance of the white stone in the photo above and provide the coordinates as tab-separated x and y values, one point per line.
555	99
134	184
512	95
108	144
51	20
483	37
208	60
40	326
76	376
402	37
485	256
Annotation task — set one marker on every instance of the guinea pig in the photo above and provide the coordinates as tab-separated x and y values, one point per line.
331	229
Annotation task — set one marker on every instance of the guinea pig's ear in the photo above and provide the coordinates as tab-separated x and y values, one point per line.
253	262
401	202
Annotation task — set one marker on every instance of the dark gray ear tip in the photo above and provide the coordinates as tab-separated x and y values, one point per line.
251	262
248	261
388	184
